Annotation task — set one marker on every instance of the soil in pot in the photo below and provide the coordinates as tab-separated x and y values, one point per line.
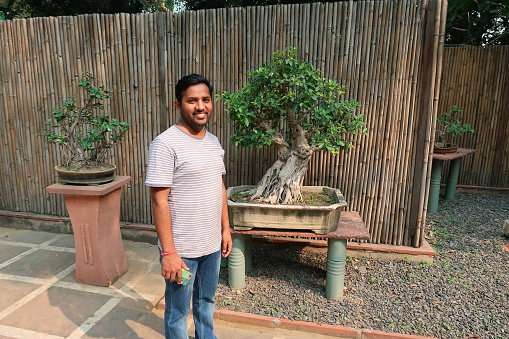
308	199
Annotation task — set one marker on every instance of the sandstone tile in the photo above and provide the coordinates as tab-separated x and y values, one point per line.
30	237
57	311
140	251
9	251
65	240
42	264
130	319
13	291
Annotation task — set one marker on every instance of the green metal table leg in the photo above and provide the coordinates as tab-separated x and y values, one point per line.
336	256
434	185
248	253
452	178
236	262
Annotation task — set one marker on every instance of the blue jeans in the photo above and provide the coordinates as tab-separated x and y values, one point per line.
202	287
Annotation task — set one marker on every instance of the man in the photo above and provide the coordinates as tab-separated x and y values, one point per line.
185	169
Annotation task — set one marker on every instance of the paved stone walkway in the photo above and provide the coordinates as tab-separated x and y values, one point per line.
39	297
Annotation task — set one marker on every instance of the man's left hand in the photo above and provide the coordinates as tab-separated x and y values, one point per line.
226	246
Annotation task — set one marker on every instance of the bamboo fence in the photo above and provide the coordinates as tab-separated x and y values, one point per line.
388	54
477	80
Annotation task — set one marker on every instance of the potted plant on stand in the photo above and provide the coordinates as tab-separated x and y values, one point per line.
92	192
449	126
287	103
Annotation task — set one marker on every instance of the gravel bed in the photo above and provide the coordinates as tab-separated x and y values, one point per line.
463	294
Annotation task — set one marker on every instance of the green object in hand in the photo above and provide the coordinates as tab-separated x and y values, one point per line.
186	276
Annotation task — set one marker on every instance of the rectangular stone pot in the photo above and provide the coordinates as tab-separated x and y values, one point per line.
318	219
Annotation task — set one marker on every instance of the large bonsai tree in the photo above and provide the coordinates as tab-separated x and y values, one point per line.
287	103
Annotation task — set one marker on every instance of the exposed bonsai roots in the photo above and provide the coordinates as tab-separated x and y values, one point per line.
282	183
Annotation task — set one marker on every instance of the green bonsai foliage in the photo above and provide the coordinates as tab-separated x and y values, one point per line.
287	103
82	130
448	126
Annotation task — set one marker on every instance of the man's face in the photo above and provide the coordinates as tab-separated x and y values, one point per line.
196	107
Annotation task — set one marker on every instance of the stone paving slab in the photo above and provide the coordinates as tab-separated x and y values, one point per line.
64	240
9	251
43	264
24	236
13	291
130	319
56	311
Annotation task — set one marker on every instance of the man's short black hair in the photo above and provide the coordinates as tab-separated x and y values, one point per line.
188	81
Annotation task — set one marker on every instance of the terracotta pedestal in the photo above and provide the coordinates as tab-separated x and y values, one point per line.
95	217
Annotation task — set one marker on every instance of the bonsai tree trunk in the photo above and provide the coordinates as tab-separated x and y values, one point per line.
282	183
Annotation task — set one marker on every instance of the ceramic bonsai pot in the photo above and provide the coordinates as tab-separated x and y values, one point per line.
319	219
447	148
86	176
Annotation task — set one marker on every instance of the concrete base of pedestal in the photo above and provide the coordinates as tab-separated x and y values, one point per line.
95	217
506	228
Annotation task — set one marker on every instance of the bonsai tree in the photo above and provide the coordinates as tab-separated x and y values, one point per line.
83	131
448	126
287	103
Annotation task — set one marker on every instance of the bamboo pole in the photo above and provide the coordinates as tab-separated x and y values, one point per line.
18	120
378	123
503	124
403	86
356	49
43	169
23	120
430	62
385	133
9	95
362	142
402	185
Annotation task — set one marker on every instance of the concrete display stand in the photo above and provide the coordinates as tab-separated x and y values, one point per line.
350	226
452	179
95	217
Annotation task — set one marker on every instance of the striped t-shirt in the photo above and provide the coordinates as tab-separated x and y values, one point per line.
193	168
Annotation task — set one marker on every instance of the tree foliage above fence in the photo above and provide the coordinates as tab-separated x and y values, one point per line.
481	22
38	8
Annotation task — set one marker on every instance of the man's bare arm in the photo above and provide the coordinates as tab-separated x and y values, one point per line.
171	264
226	237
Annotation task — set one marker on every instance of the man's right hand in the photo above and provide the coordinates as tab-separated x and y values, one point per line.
172	267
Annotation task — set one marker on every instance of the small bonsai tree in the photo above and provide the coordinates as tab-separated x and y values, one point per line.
288	104
448	126
82	130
